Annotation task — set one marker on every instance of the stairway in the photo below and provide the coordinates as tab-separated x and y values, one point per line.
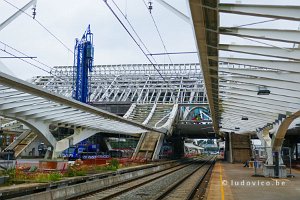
150	143
147	145
160	112
23	141
140	113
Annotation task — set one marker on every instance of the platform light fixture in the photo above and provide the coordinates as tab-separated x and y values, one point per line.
263	91
244	118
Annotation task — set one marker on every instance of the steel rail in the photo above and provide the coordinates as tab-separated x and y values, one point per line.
136	182
181	181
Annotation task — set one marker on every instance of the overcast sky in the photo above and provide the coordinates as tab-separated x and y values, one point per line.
68	19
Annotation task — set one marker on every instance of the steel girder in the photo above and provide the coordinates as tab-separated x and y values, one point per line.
204	14
247	107
292	86
244	75
280	35
294	100
257	100
272	11
247	87
273	75
245	111
281	65
275	52
134	83
250	115
277	107
232	119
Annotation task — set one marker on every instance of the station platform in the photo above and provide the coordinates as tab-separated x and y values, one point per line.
233	181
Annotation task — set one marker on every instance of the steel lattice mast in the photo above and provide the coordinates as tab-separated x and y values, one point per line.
83	64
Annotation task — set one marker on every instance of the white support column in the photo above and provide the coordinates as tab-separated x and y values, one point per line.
267	139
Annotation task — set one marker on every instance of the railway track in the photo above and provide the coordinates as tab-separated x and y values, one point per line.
169	183
188	187
78	186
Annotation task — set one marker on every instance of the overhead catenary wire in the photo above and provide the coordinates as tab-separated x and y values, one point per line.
125	9
135	41
16	57
264	43
254	23
154	66
32	64
44	27
156	27
257	41
173	53
33	58
137	35
24	60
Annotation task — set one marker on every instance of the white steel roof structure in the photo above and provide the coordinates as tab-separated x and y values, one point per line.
20	97
134	83
26	99
38	108
250	61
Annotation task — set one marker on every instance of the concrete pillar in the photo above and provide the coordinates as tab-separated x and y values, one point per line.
239	148
178	146
277	169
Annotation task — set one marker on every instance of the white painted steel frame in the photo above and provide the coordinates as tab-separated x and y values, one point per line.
134	83
271	66
40	104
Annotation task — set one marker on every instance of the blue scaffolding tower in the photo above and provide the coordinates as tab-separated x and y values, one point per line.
83	64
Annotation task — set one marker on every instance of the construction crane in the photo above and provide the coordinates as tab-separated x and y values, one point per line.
83	65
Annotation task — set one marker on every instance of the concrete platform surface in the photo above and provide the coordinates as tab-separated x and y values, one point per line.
233	181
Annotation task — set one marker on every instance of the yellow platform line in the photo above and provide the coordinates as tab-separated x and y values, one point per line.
221	183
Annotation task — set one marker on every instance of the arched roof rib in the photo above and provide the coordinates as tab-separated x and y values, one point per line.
20	98
258	56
